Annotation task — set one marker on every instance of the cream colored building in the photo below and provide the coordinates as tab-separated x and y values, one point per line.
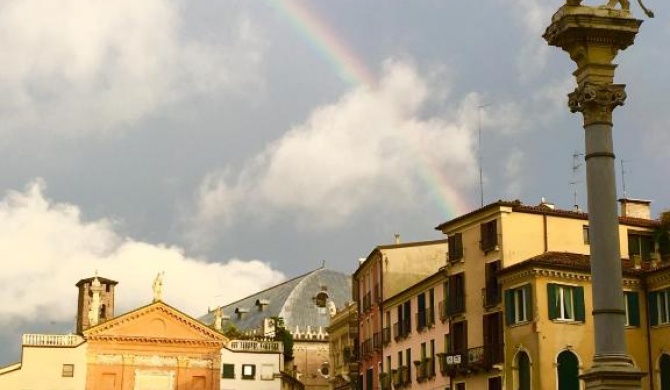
48	362
387	271
418	333
252	365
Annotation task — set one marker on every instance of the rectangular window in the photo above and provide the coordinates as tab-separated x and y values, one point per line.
518	305
68	371
492	295
566	302
586	235
456	302
408	365
489	236
460	386
632	305
228	371
248	371
458	337
640	245
455	242
659	307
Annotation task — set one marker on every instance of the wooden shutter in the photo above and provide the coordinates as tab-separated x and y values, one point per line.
633	305
653	308
551	301
580	314
528	295
509	307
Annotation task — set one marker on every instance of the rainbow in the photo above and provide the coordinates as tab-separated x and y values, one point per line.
322	38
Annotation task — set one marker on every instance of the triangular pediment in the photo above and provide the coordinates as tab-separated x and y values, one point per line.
157	321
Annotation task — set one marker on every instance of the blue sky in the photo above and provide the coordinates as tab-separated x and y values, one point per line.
211	140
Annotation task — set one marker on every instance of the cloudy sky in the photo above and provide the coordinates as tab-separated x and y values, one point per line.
233	143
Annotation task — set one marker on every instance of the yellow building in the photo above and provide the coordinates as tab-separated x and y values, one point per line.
518	276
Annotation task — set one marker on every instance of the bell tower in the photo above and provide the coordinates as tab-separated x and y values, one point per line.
95	302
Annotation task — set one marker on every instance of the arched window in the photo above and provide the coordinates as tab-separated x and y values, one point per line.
664	367
567	371
523	365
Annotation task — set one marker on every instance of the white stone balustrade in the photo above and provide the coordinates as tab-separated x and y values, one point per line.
255	346
52	340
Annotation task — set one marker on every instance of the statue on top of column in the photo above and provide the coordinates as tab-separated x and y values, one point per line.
611	4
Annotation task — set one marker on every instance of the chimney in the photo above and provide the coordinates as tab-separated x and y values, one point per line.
397	238
546	204
635	208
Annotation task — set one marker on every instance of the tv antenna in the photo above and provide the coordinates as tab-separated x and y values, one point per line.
479	151
623	176
576	164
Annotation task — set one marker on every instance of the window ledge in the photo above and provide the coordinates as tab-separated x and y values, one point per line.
567	322
520	323
667	324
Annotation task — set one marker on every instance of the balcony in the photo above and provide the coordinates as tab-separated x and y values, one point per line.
425	369
386	335
52	340
385	381
425	319
472	360
456	305
377	341
401	329
366	347
255	346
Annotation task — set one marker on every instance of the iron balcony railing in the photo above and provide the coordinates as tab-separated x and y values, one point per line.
425	318
473	359
377	341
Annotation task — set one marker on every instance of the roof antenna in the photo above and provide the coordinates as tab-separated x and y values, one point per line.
623	177
575	168
479	152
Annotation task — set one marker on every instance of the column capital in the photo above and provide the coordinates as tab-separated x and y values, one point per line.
597	101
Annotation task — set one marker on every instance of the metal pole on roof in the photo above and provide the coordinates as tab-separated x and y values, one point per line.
480	154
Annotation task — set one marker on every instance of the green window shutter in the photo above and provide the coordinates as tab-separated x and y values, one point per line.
228	371
653	308
633	302
551	304
579	304
529	301
509	307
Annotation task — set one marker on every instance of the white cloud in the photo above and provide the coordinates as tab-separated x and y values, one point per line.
89	66
47	247
534	16
370	149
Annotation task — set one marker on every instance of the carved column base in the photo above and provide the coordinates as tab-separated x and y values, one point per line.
613	373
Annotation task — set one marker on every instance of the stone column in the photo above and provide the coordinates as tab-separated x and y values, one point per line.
592	37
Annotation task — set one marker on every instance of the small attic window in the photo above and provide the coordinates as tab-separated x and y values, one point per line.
321	299
241	312
262	304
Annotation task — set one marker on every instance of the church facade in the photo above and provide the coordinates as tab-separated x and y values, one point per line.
154	347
